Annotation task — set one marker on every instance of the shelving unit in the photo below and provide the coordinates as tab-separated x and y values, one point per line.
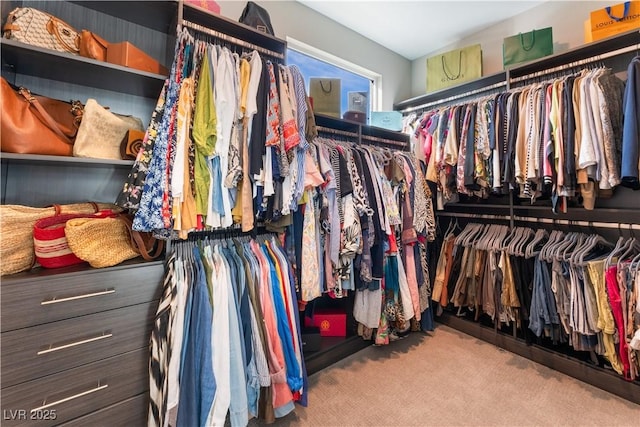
615	52
91	326
75	340
334	349
65	67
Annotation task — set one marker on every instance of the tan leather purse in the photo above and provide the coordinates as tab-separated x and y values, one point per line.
33	124
93	46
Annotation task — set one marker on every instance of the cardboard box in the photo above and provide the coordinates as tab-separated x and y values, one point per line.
332	323
128	55
210	5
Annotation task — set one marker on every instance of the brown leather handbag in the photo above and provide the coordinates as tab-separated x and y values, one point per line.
33	124
93	46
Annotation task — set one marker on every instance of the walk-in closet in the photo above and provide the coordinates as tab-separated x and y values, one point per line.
320	213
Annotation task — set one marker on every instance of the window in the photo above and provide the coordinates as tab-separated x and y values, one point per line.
359	87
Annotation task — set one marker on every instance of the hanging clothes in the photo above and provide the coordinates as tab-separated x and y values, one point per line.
554	139
572	288
210	357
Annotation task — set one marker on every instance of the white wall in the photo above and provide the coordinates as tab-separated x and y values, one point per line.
293	19
565	17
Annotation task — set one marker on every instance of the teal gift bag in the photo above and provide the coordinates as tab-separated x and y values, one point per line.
526	47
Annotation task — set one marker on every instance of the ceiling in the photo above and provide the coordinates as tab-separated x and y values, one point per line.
416	28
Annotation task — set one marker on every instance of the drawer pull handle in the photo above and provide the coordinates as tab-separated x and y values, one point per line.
73	344
94	294
66	399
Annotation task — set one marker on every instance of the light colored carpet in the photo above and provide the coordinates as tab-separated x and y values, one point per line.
447	378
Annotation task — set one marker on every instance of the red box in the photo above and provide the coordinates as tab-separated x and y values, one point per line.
332	323
210	5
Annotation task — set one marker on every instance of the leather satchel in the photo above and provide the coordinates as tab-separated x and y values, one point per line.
38	28
33	124
93	46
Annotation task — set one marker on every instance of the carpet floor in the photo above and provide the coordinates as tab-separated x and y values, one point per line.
448	378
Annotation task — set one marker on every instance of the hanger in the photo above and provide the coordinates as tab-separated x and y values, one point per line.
633	245
618	248
580	242
481	241
527	235
563	246
635	264
548	249
468	229
481	233
512	239
472	237
584	247
529	250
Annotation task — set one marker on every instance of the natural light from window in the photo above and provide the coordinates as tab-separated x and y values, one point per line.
358	86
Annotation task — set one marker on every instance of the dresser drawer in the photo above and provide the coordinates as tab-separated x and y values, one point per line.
30	300
76	392
53	347
131	413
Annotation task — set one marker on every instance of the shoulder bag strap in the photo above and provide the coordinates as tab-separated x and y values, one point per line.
42	114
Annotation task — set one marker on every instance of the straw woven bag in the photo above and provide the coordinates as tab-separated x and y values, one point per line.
16	229
102	243
105	242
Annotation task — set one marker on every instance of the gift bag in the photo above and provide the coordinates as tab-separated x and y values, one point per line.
325	93
611	20
525	47
454	67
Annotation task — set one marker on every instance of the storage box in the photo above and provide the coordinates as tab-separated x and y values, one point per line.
311	339
358	101
332	323
355	116
128	55
210	5
391	120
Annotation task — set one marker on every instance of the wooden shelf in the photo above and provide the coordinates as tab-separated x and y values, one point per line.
494	81
73	270
245	33
31	60
463	90
62	160
585	51
333	350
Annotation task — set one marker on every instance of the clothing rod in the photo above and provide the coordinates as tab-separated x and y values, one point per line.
384	140
336	131
454	97
231	39
575	63
622	226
